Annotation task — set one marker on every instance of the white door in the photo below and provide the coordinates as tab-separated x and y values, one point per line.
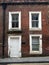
14	46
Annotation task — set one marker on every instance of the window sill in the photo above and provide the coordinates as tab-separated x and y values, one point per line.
14	31
35	29
35	52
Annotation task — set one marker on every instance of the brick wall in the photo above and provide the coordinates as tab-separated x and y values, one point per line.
25	27
27	0
24	1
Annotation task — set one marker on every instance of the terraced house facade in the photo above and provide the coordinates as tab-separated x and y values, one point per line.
24	28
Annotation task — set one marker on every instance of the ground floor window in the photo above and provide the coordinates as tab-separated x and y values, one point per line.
36	43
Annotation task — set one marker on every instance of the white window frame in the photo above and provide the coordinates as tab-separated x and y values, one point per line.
40	23
13	36
10	20
40	43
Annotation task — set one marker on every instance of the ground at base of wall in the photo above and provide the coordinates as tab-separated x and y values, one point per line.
30	64
25	60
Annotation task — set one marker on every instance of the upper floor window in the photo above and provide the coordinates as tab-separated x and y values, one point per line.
35	20
15	20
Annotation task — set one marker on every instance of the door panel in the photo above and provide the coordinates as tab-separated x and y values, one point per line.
15	47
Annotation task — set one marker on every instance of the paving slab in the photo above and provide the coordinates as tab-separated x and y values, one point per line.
25	60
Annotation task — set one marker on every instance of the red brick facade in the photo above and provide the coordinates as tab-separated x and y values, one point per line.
25	32
24	0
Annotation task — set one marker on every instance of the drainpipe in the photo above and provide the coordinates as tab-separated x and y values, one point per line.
3	37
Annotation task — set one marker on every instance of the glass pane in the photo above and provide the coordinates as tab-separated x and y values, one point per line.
34	23
35	47
15	20
35	40
35	16
35	43
14	24
15	16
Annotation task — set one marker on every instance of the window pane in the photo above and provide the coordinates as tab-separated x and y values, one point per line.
15	20
14	24
35	40
35	16
35	47
15	16
34	23
35	43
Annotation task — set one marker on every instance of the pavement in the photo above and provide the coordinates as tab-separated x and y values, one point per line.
25	60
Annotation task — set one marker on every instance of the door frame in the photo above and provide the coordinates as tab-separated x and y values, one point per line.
13	36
